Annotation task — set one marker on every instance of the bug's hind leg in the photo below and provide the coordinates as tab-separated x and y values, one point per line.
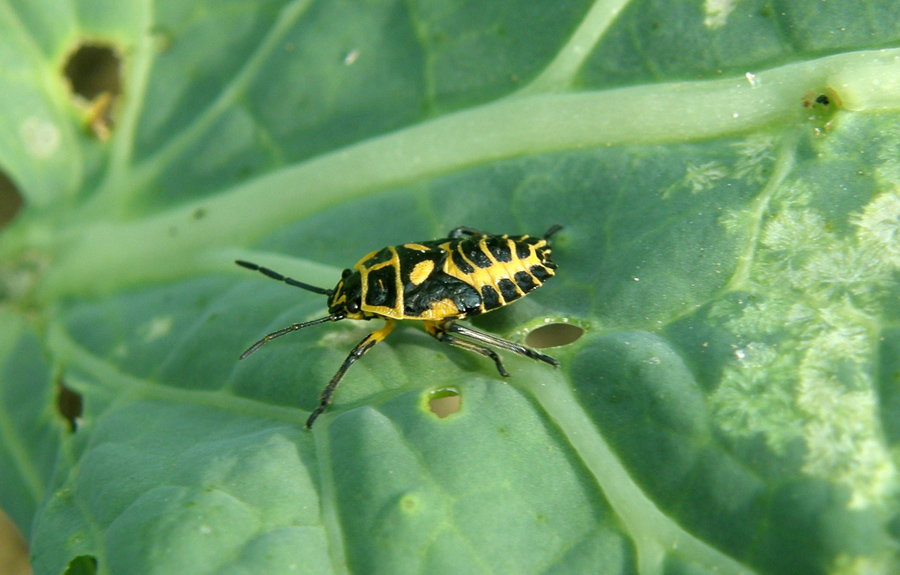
499	343
360	350
465	231
553	229
439	332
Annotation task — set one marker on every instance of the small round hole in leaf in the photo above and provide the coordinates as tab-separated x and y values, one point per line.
10	200
70	406
553	335
444	402
93	71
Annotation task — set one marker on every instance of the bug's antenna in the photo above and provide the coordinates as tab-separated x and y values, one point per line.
287	330
553	229
277	276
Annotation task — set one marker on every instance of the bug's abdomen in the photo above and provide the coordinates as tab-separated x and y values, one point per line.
501	268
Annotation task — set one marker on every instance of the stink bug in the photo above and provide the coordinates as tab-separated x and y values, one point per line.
437	281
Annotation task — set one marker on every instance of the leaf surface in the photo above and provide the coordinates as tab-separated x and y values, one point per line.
726	177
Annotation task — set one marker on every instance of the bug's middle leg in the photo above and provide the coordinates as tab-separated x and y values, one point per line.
360	350
439	332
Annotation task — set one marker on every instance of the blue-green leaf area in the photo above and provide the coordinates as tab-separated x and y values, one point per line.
688	39
459	493
726	175
651	409
340	71
211	487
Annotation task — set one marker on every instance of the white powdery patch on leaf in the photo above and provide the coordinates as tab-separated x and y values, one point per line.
843	436
845	272
808	376
757	395
704	176
755	155
878	229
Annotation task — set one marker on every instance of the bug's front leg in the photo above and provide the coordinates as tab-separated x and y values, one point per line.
360	350
439	332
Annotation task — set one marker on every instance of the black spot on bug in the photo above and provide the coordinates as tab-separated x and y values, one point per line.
540	272
460	263
472	250
489	298
522	250
508	290
381	287
499	248
525	281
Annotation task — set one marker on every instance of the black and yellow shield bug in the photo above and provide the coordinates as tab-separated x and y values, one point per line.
437	281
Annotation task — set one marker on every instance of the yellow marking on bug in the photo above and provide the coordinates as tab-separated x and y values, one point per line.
421	272
364	258
431	327
441	309
385	311
511	267
395	312
417	247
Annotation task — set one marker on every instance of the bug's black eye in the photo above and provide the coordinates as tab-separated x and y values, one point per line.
345	273
353	306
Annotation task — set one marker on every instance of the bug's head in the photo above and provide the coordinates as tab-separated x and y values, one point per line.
346	299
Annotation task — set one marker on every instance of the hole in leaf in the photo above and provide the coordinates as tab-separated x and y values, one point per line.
82	565
553	335
821	107
444	402
822	101
93	71
10	200
70	405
